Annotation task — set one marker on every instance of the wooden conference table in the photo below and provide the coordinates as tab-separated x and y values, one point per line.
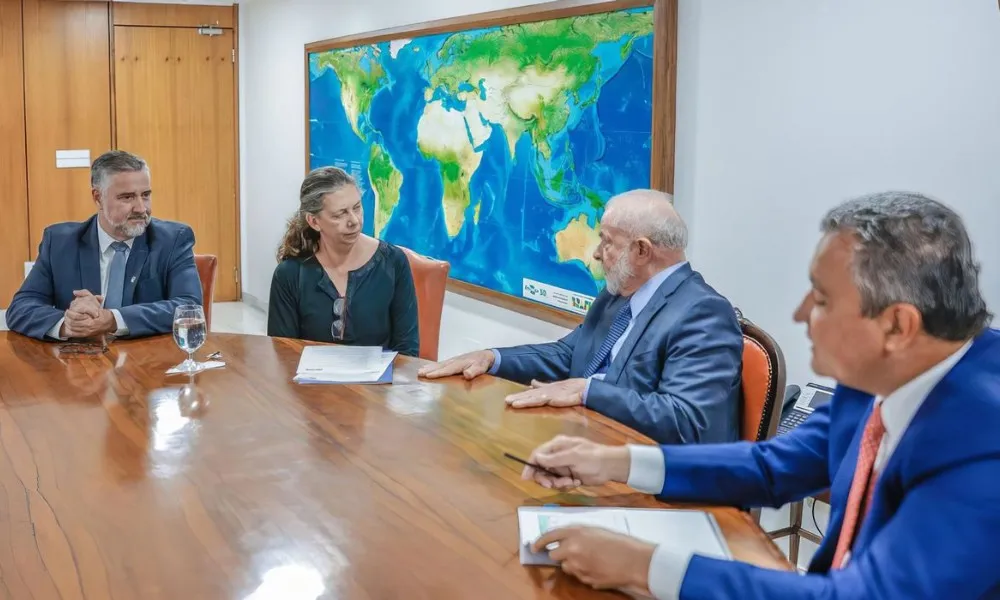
112	487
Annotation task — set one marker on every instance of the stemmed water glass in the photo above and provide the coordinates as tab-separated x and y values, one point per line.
190	331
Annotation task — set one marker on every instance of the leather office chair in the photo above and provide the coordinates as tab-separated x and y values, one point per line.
762	387
764	369
430	278
763	384
208	267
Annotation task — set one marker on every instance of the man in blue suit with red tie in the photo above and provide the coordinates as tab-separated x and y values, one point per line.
119	273
909	446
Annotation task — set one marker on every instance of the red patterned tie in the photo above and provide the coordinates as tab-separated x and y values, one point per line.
862	486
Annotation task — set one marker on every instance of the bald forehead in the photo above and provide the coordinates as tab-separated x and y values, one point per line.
650	202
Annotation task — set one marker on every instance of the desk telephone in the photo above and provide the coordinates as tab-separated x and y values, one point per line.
806	400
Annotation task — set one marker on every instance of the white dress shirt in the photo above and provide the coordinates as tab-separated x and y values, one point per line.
107	253
647	473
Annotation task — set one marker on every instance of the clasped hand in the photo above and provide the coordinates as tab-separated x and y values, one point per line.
86	318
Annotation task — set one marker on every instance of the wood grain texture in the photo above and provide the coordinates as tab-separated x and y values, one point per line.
68	105
13	169
174	93
113	489
172	15
664	96
664	102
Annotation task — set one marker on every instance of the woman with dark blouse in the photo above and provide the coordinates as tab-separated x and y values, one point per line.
336	284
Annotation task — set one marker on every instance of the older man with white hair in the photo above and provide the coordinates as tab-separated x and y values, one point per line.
659	350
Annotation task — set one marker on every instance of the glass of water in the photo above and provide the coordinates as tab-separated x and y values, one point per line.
190	332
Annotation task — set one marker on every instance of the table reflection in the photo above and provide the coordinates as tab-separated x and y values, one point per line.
290	582
174	427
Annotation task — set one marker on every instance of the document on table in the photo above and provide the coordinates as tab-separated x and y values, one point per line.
344	364
685	530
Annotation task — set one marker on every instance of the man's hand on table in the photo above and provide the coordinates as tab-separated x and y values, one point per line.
600	558
86	318
469	366
561	394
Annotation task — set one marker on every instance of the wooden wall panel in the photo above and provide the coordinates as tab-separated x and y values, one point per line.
174	93
13	173
172	15
67	80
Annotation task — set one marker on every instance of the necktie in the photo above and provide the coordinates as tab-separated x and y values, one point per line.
116	277
859	498
618	327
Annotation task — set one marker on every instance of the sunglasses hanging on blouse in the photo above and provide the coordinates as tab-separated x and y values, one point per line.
339	325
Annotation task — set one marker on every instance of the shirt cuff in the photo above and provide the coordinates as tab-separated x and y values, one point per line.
666	572
54	332
646	469
586	390
496	363
120	321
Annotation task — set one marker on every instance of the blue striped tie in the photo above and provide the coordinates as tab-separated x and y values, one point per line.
618	327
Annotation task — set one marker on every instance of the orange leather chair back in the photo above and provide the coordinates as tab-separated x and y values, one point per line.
208	267
430	278
763	386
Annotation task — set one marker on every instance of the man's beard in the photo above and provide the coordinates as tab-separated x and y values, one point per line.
129	229
617	274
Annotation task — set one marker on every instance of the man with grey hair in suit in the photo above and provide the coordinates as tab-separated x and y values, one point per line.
659	350
120	273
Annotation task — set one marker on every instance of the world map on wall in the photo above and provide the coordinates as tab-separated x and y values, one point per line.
495	149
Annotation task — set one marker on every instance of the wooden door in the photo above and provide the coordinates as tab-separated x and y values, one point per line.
13	174
175	107
67	92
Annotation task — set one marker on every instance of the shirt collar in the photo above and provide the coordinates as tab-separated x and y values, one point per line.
105	240
644	294
899	407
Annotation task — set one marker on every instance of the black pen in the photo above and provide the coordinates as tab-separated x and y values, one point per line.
533	466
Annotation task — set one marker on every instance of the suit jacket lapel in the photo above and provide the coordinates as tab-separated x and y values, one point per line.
90	259
136	260
642	320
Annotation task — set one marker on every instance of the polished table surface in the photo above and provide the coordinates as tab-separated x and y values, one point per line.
113	485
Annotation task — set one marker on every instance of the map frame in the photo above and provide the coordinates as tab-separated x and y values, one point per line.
664	102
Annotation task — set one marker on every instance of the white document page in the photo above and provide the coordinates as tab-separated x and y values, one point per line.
685	530
545	521
335	364
339	359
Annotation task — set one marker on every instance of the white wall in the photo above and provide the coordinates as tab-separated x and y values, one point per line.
787	107
784	108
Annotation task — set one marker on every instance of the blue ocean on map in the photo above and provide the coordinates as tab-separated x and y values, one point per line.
494	149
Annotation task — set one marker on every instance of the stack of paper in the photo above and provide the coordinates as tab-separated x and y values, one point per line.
685	531
610	519
345	364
